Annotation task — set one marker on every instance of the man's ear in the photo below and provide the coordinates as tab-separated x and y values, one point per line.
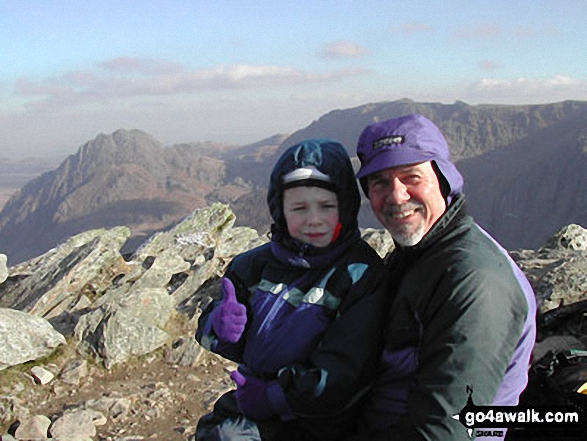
442	181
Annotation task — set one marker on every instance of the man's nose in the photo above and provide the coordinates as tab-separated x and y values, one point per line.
398	193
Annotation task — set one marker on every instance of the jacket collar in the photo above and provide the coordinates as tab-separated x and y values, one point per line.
295	253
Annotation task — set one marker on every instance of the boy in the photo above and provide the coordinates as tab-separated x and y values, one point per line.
301	314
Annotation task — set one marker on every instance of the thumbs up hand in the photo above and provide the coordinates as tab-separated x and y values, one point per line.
229	317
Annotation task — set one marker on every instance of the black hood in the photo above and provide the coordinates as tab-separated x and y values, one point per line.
330	158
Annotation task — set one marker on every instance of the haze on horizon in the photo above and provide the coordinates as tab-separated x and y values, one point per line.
187	70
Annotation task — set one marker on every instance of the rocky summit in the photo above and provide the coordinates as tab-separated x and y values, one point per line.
97	345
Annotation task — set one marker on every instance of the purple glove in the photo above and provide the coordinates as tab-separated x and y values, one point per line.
251	396
229	317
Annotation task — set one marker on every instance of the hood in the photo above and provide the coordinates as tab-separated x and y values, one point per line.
410	139
330	158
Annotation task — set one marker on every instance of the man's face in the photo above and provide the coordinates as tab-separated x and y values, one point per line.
407	200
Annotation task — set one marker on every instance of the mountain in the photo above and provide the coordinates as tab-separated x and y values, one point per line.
523	168
126	178
522	194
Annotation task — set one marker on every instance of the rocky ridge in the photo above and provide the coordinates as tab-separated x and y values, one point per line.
97	346
522	167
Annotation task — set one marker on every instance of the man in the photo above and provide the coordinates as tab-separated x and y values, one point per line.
462	317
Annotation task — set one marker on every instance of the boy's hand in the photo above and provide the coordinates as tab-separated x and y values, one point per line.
230	316
251	396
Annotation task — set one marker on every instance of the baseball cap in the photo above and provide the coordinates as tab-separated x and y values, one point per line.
409	139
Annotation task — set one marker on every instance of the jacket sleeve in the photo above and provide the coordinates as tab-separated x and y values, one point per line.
343	363
470	330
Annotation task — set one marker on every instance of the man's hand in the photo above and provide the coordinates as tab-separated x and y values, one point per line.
230	316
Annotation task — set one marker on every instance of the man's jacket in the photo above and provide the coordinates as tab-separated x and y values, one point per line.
462	319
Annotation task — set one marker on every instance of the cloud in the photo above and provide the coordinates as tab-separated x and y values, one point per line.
140	65
528	90
411	28
126	77
343	49
483	32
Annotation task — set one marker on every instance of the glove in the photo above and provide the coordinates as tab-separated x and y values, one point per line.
229	317
259	399
251	396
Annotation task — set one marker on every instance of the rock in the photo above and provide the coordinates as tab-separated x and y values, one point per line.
207	240
570	237
11	408
130	317
115	408
380	240
118	330
25	337
35	427
75	425
74	371
184	352
194	236
3	268
557	271
41	375
51	284
559	277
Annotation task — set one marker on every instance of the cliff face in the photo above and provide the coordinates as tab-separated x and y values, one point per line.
523	168
522	194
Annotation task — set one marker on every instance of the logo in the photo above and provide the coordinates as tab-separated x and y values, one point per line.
388	140
495	419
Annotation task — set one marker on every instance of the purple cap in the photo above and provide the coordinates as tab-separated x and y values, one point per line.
410	139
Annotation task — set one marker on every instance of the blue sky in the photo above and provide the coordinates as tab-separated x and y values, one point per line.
239	71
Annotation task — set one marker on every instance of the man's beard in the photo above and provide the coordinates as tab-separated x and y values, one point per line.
408	234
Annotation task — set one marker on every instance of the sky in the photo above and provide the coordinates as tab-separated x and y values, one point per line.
240	71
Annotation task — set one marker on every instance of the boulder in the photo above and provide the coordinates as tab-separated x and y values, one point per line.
557	271
25	337
33	428
570	237
76	425
53	283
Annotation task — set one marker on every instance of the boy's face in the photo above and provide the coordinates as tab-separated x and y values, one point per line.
311	214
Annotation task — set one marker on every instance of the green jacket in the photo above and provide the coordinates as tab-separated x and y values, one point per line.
463	315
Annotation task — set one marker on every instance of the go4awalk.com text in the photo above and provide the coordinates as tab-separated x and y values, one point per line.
494	421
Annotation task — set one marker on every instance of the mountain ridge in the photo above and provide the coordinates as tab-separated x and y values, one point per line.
129	178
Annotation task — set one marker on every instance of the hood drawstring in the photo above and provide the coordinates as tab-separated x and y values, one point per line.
336	232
